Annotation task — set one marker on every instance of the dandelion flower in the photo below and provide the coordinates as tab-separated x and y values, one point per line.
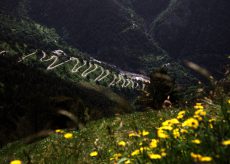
16	162
196	141
59	131
211	126
116	156
161	133
153	143
170	122
122	143
212	120
229	101
135	152
68	135
205	159
198	117
145	133
183	131
181	114
200	112
226	142
166	128
195	156
133	135
166	123
191	122
144	149
94	154
154	156
198	106
176	133
163	154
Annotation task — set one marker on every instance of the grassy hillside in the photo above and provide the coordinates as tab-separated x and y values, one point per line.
150	137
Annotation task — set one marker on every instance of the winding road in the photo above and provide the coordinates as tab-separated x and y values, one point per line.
117	79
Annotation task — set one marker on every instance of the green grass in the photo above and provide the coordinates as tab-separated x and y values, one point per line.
104	135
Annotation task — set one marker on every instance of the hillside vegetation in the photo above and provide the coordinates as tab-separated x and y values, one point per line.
88	81
177	136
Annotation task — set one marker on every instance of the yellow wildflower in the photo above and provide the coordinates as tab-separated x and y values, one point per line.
212	120
200	112
166	128
196	141
153	143
161	133
94	154
163	154
59	131
144	149
135	152
205	159
195	156
198	106
198	117
116	156
181	114
154	156
145	133
183	131
191	122
68	135
133	135
170	122
166	123
200	158
226	142
176	133
16	162
121	143
211	126
229	101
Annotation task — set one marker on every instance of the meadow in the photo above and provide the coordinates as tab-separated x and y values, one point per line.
198	134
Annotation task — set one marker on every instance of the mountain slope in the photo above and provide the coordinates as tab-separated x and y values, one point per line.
197	31
31	95
105	29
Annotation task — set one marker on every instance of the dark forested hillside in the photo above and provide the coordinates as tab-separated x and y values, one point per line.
197	31
105	29
130	33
